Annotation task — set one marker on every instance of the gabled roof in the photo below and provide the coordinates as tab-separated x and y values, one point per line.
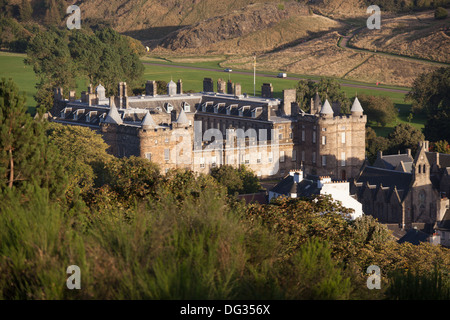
387	178
391	162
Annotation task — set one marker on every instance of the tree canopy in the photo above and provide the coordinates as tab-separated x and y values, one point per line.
59	56
379	109
326	88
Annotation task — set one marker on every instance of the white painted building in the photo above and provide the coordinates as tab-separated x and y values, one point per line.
297	185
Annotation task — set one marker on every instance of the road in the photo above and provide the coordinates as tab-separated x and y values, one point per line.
359	86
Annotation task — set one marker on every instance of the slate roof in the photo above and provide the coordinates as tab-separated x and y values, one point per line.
305	188
392	161
388	178
414	236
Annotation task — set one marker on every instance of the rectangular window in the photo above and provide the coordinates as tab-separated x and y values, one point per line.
166	154
324	161
202	162
213	161
303	135
303	155
281	156
324	140
343	137
270	158
343	159
294	155
314	157
314	137
258	160
148	156
247	159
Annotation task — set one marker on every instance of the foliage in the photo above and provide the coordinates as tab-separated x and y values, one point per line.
409	285
240	180
178	236
326	88
378	109
437	128
440	13
13	35
85	153
430	92
404	136
315	273
25	155
374	144
161	87
104	56
129	178
441	146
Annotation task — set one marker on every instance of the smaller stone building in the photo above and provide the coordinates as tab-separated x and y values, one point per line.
403	191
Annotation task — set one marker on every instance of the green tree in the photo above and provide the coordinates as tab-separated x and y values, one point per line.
437	128
378	109
87	50
237	180
404	136
374	144
129	178
48	53
441	146
440	13
25	11
85	153
52	15
430	93
25	155
327	88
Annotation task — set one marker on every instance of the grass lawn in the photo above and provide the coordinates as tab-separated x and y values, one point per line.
12	66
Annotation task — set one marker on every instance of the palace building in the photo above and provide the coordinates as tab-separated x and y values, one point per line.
199	131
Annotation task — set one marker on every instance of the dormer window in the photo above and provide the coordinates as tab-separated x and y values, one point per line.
187	107
169	107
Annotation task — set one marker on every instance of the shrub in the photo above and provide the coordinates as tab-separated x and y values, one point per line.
440	13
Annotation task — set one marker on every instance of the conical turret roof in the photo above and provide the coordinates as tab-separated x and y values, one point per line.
182	118
113	115
356	107
148	121
326	108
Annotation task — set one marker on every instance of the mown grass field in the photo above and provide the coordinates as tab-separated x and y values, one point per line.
12	66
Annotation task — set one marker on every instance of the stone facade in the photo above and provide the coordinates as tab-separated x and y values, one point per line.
203	130
403	191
